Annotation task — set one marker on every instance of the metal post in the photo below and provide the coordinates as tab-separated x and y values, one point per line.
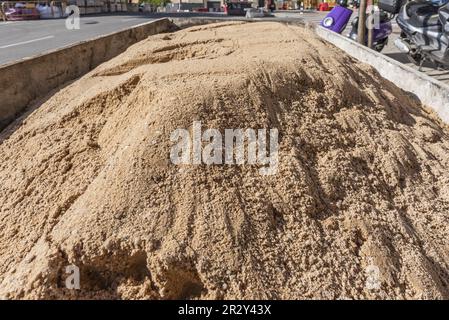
362	22
3	11
371	25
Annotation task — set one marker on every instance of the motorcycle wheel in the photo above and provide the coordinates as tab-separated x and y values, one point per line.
415	58
379	48
380	45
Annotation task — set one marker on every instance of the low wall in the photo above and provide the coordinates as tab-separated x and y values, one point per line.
23	81
431	92
196	21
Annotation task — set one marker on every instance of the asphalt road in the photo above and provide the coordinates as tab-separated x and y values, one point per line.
20	39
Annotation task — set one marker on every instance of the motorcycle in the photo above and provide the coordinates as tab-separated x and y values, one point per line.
337	20
425	32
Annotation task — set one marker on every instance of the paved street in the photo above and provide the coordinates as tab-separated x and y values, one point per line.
20	39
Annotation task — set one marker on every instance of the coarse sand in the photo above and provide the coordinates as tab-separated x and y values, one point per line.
358	208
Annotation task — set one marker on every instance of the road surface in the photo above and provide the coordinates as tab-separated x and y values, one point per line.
20	39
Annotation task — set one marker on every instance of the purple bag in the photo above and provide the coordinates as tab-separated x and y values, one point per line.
337	19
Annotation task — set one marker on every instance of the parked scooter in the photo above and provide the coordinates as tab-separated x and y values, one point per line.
425	31
337	20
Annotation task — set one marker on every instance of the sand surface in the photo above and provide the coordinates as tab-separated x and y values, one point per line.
362	185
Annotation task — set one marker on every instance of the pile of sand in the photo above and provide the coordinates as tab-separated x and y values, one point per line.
358	208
